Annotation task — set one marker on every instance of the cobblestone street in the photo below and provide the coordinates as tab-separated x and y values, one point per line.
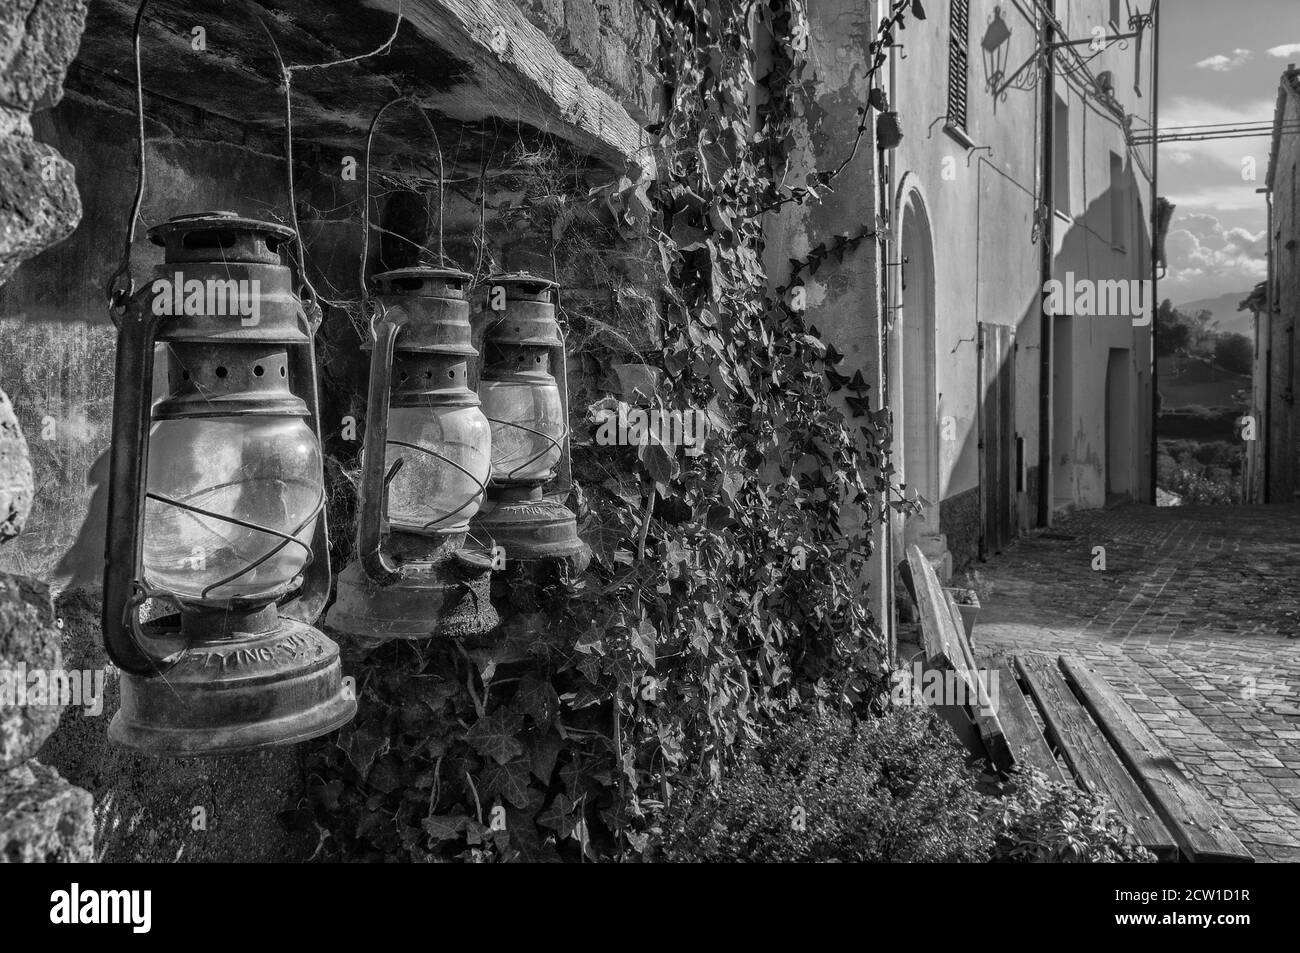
1195	621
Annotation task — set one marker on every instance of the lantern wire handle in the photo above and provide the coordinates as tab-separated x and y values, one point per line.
555	443
120	285
285	538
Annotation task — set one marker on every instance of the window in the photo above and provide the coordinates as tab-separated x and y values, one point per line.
958	62
1061	158
1118	202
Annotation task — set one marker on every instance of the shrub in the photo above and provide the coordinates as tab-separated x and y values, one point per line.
1042	821
892	788
1198	488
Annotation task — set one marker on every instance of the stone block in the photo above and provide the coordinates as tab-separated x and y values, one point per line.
29	649
15	473
39	204
38	39
43	818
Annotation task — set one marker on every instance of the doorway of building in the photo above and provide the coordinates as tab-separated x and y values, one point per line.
915	390
1119	426
997	410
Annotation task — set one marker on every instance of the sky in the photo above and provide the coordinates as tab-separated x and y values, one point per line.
1219	62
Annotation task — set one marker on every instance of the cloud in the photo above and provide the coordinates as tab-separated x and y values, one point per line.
1221	63
1199	246
1287	49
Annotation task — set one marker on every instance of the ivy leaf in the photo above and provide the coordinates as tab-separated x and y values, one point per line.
493	736
509	781
878	100
365	745
542	756
918	11
559	816
537	699
643	640
443	827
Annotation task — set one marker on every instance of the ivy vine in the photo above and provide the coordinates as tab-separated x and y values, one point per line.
725	586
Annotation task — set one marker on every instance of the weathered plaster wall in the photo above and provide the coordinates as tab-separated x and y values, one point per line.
979	194
1284	250
843	299
1086	245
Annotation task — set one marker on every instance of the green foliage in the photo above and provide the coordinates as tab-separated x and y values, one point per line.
889	788
1234	353
1043	821
1201	472
695	621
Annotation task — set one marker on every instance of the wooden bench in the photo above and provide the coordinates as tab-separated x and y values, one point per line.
1103	744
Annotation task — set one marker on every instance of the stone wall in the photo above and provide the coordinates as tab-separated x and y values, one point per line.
42	816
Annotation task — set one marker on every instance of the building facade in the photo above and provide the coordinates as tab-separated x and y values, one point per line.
1271	458
1015	171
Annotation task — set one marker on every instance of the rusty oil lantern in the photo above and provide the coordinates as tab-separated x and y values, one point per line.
523	347
425	466
216	504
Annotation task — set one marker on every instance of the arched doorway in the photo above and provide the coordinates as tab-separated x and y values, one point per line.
913	387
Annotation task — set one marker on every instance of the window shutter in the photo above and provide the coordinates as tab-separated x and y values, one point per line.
958	62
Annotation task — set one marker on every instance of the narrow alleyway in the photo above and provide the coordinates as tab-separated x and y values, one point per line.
1196	620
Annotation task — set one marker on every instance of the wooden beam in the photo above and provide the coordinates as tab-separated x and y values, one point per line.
1089	755
1023	734
946	650
519	76
1199	829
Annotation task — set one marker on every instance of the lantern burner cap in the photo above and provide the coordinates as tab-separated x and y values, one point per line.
527	283
425	280
219	220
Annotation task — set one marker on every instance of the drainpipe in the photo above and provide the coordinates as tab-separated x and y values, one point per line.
1155	277
1047	235
886	202
1270	304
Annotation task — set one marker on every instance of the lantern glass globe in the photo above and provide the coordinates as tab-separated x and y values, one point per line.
528	426
436	493
262	470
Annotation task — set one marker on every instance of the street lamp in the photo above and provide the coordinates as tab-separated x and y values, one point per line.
216	504
425	465
530	423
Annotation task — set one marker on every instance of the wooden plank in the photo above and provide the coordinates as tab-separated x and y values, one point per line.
943	640
1198	828
986	713
1088	754
1023	735
519	76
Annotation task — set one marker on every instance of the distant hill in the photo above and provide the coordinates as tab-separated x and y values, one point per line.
1224	308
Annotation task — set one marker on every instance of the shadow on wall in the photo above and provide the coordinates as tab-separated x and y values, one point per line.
58	365
1080	385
